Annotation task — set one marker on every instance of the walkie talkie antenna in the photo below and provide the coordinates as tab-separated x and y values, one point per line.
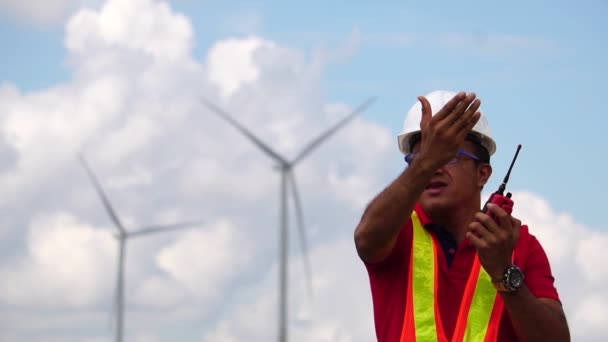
502	186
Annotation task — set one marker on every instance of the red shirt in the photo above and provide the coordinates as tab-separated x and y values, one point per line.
388	280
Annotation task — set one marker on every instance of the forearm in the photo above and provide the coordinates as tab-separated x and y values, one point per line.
389	211
535	320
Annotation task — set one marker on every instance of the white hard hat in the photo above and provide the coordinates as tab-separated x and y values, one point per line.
438	99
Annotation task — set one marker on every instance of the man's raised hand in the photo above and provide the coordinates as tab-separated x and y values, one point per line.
443	133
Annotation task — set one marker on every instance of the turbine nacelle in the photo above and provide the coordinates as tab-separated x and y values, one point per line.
120	236
283	167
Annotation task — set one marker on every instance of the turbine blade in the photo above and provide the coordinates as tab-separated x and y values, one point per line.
316	142
255	140
164	228
102	195
302	232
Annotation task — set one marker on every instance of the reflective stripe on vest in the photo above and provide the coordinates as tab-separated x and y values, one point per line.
480	310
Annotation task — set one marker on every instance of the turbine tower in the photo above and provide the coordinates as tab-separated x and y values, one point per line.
287	182
122	235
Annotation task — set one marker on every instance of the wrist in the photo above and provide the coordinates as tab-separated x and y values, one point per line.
498	273
498	270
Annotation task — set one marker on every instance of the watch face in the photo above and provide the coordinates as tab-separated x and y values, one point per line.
516	278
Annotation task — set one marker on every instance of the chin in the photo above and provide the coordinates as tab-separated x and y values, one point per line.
436	205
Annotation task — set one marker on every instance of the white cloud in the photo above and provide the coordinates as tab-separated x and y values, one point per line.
149	26
340	309
41	12
590	318
576	258
70	258
132	107
356	182
146	337
65	255
231	63
160	292
591	255
203	261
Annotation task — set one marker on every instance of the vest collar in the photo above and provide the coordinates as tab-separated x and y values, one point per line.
428	223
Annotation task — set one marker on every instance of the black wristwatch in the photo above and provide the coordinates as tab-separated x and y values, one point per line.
513	280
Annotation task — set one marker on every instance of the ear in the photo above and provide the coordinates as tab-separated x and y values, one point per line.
484	171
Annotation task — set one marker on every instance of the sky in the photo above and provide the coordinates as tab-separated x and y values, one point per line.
121	82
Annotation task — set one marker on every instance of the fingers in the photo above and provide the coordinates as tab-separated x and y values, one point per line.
485	228
472	122
465	122
473	107
459	115
504	219
470	116
445	131
516	224
460	112
449	107
426	111
480	232
487	222
478	242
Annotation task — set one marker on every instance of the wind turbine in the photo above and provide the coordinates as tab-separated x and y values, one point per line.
288	180
122	235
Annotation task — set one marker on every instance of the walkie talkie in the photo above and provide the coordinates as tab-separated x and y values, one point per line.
497	198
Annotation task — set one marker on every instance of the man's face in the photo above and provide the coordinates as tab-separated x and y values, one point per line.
455	185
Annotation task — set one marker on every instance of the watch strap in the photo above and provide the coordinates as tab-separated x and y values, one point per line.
500	286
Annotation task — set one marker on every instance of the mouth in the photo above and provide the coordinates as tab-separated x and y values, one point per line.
435	186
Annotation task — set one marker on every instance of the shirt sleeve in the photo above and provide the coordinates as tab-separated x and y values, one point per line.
537	273
397	255
387	284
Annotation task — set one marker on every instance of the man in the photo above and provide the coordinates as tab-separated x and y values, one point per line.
439	268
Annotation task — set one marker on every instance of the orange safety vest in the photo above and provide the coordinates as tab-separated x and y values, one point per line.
480	310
